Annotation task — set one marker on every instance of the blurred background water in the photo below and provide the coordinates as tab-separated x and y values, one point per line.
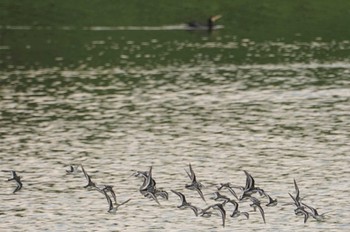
130	95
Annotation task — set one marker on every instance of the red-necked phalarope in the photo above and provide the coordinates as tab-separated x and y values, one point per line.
148	187
73	169
205	212
150	195
236	212
111	207
161	193
296	199
219	197
185	204
272	202
90	183
148	181
301	211
230	188
296	203
17	179
109	188
256	204
222	211
195	185
297	195
250	188
314	213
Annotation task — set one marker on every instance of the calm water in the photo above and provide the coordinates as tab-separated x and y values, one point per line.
121	100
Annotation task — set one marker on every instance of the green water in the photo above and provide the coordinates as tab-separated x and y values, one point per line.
120	86
47	33
270	18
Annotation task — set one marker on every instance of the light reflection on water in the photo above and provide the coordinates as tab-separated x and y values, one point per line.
278	121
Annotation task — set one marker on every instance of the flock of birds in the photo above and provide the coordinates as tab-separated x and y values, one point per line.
250	192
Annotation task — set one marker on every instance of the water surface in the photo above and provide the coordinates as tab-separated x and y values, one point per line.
117	101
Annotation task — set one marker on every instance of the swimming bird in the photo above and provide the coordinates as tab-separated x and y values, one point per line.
256	204
17	179
195	185
210	25
185	204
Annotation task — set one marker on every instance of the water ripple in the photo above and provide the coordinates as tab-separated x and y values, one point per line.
279	121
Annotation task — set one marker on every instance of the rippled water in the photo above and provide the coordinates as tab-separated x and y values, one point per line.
277	109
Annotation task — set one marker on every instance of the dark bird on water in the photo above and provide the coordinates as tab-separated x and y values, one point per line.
210	25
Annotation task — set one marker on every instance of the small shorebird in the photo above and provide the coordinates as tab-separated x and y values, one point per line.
250	188
195	185
301	211
73	169
219	197
90	183
314	213
220	207
184	203
162	193
149	184
297	196
148	187
256	204
112	208
17	179
236	212
144	175
222	211
205	212
272	202
150	194
230	188
296	199
296	203
109	188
